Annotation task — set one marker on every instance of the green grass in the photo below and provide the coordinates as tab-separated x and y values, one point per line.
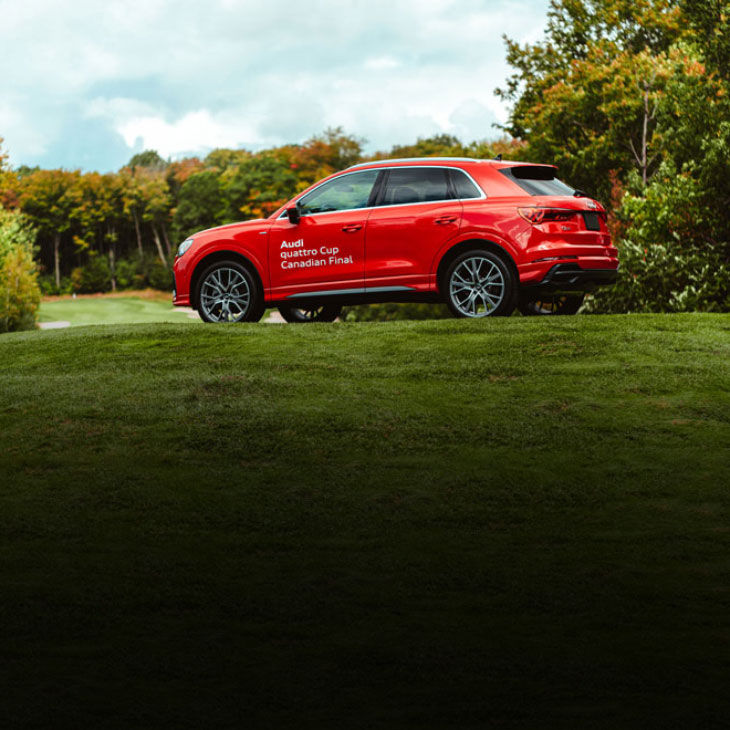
111	310
519	523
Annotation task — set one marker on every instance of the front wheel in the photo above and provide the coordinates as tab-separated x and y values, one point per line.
227	292
556	304
479	283
324	313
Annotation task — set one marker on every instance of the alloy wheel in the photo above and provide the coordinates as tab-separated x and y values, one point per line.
476	286
225	295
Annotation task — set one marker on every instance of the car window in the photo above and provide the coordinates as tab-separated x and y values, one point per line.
341	193
537	180
416	185
464	187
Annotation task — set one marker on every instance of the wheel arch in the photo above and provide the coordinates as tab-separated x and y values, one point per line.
468	245
214	257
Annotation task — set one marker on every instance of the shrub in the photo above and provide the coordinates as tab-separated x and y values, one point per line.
159	276
130	274
20	294
94	277
393	311
48	285
670	260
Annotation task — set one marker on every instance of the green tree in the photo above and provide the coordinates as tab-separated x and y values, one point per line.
200	204
585	98
149	159
20	293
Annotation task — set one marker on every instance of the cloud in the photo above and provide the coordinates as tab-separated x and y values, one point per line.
184	77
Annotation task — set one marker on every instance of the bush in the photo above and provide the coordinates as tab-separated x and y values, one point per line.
159	276
141	272
393	311
94	277
20	294
48	285
132	273
670	261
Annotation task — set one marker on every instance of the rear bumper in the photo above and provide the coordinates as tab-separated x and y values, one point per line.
571	277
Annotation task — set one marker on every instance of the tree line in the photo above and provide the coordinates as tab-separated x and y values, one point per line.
90	226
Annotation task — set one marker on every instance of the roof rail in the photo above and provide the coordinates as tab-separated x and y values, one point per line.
416	159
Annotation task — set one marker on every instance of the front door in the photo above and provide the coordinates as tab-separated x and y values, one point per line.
325	251
416	215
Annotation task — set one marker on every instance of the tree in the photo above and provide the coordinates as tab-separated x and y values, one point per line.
149	159
200	204
157	210
586	97
49	198
19	291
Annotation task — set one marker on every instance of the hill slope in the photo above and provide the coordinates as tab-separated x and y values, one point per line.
437	524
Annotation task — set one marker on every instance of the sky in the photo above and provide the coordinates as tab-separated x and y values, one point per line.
88	83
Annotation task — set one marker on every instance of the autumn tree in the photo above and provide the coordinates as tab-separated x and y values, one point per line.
49	198
585	98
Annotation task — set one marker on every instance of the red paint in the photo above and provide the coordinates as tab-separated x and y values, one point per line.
402	244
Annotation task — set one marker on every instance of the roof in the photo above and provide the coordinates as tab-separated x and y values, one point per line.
415	159
389	161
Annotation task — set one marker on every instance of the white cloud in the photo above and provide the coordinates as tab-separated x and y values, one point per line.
381	63
193	131
185	76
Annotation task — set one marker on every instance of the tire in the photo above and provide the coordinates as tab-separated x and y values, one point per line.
323	313
227	291
551	305
479	283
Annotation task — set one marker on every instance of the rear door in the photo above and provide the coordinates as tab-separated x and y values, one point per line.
325	251
416	213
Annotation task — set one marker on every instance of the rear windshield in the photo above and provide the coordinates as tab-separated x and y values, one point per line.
537	180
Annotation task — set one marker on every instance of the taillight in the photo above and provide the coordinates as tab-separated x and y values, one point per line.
545	215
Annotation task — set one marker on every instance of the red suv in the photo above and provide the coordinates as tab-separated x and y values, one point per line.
484	236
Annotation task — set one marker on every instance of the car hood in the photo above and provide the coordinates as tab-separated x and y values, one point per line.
232	228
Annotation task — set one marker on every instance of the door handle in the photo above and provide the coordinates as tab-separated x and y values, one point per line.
352	227
444	219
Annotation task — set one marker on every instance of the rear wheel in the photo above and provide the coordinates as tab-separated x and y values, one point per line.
323	313
555	304
479	283
228	292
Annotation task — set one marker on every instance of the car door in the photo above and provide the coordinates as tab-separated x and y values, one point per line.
325	250
416	214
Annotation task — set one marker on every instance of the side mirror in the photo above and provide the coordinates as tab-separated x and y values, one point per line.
293	214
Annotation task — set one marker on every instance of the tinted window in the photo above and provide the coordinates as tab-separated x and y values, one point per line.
416	185
537	180
464	187
342	193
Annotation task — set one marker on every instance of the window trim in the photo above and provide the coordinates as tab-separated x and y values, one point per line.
517	180
377	180
381	181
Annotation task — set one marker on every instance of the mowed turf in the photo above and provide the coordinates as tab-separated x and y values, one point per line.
517	523
112	310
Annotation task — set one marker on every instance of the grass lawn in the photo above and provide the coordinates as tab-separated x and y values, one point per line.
518	523
112	310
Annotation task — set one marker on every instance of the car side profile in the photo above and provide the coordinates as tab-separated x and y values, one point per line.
483	236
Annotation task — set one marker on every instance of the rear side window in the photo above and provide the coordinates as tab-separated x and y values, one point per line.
463	186
537	180
416	185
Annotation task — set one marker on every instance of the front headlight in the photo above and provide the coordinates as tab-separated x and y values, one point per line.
184	246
